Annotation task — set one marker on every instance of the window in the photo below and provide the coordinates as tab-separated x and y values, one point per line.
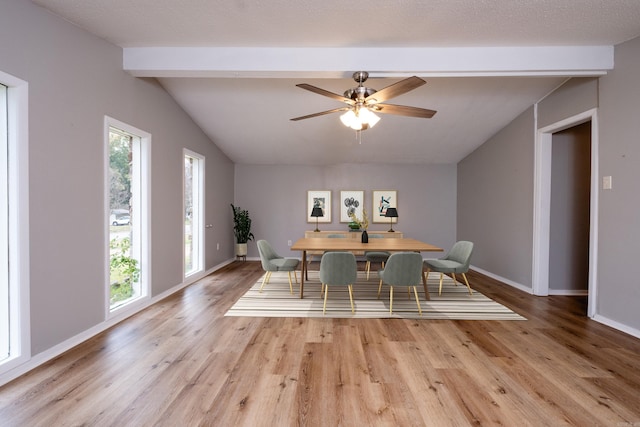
193	212
127	214
14	230
5	320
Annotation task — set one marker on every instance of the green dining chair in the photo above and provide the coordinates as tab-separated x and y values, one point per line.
271	262
456	261
338	269
402	269
375	256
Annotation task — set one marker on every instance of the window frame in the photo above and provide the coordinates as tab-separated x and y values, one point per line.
141	191
198	216
17	222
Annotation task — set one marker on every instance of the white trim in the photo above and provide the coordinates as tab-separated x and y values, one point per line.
68	344
542	203
504	280
331	62
617	325
569	292
18	159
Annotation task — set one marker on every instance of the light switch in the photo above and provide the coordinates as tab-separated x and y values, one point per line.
606	182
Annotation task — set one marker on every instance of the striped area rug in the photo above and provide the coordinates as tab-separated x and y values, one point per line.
454	303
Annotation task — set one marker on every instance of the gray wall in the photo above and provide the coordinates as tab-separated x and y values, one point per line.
75	79
619	156
574	97
495	201
276	197
495	187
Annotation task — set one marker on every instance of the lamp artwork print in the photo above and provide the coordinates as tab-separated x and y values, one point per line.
391	213
316	213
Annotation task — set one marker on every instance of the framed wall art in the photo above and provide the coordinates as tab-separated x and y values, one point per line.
321	199
383	199
351	201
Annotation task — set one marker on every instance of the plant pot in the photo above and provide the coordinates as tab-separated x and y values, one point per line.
241	249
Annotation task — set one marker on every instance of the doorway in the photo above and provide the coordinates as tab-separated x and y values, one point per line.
543	184
569	211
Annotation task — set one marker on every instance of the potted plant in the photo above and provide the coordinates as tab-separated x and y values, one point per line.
241	229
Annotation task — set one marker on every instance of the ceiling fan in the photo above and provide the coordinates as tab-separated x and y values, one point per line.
362	102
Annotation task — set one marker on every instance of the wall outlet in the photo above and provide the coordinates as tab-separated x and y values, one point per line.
289	242
606	183
218	246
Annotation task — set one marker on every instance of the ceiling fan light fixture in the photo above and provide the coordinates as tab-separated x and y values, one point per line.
367	116
361	120
349	119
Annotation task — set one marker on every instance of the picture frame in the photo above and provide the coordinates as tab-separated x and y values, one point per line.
381	200
351	201
320	198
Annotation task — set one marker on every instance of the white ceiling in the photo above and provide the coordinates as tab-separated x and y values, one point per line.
233	66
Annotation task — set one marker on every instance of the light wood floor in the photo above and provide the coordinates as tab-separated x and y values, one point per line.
182	363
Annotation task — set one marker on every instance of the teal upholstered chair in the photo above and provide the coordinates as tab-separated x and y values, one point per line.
338	269
271	262
375	256
457	260
402	269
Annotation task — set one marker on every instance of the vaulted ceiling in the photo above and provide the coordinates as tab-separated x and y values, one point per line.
233	66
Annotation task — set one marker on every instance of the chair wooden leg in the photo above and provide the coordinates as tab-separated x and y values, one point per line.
379	288
326	292
353	310
415	291
455	281
265	280
440	289
368	267
467	283
290	285
425	278
390	299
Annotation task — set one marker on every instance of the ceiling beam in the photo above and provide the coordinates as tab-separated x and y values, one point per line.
379	62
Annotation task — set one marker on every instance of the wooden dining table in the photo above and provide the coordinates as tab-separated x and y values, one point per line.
315	244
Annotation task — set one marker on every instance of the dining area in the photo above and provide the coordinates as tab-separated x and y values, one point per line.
400	258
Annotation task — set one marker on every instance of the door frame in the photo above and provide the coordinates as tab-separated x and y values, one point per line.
542	204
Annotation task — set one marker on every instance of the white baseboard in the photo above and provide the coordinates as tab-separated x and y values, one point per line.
598	318
569	292
617	325
58	349
504	280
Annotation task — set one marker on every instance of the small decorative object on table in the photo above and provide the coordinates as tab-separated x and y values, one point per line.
360	224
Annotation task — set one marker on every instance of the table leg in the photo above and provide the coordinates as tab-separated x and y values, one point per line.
303	271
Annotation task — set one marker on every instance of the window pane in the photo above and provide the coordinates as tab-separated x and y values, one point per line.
124	242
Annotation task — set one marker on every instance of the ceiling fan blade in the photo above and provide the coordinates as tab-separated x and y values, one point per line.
320	91
396	89
403	110
322	113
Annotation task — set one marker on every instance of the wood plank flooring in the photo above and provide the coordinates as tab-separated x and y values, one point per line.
182	363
